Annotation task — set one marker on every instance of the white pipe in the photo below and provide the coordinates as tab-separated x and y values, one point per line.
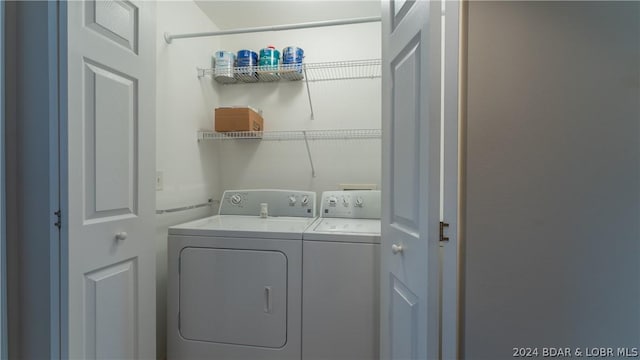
169	37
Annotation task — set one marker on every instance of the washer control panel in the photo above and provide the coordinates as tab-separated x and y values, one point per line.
279	202
354	204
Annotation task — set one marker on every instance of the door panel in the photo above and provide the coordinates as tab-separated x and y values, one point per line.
405	72
111	312
400	8
403	319
110	101
116	20
109	161
411	180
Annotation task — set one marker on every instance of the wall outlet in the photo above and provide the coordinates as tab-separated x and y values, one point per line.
159	180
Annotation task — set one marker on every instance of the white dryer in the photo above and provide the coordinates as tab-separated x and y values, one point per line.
340	282
234	279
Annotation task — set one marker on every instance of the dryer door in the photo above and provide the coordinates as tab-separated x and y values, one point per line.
233	296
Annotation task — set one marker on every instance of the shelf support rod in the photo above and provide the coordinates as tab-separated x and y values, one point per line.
306	80
306	142
170	37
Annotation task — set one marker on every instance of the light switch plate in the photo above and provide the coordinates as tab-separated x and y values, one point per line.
159	180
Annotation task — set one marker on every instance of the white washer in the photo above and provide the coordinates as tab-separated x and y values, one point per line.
340	282
234	279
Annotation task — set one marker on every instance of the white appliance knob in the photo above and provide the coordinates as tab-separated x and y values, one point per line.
359	201
292	200
305	201
345	202
236	199
333	201
121	236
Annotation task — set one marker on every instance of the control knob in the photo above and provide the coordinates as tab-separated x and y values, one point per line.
333	201
305	200
359	201
292	200
236	199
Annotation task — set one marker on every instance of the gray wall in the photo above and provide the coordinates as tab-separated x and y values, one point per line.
13	300
30	219
552	239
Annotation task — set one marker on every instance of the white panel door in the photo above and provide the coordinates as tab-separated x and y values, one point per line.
411	179
450	56
109	312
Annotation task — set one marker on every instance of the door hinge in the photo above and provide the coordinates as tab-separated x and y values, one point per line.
442	226
58	223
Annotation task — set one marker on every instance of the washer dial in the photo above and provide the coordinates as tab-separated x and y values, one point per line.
236	199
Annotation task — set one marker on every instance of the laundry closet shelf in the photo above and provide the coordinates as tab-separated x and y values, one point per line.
305	135
338	134
320	71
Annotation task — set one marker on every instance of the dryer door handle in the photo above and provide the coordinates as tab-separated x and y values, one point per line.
267	299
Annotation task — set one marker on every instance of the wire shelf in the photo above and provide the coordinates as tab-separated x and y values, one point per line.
345	134
324	71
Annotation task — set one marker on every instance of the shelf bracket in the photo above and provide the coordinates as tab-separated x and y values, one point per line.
306	80
306	142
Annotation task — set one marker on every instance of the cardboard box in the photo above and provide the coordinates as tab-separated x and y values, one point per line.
237	119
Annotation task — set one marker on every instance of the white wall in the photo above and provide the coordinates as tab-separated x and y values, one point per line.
553	177
340	104
184	105
195	171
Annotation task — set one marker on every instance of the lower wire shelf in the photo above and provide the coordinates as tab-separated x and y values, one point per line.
306	135
336	134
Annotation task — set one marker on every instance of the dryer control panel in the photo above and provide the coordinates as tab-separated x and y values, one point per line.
279	202
354	204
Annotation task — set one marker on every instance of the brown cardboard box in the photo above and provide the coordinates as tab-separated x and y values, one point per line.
237	119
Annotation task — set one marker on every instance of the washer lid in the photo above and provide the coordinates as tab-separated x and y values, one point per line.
344	230
245	227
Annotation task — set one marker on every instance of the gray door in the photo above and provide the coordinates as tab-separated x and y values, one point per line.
3	345
552	243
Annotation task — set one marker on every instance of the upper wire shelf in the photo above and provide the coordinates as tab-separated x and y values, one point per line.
345	134
322	71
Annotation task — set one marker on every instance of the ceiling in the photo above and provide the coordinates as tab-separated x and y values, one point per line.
241	14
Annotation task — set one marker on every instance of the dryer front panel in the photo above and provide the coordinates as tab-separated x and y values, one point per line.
233	296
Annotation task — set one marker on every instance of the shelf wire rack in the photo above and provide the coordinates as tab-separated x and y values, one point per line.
337	134
321	71
306	135
309	72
